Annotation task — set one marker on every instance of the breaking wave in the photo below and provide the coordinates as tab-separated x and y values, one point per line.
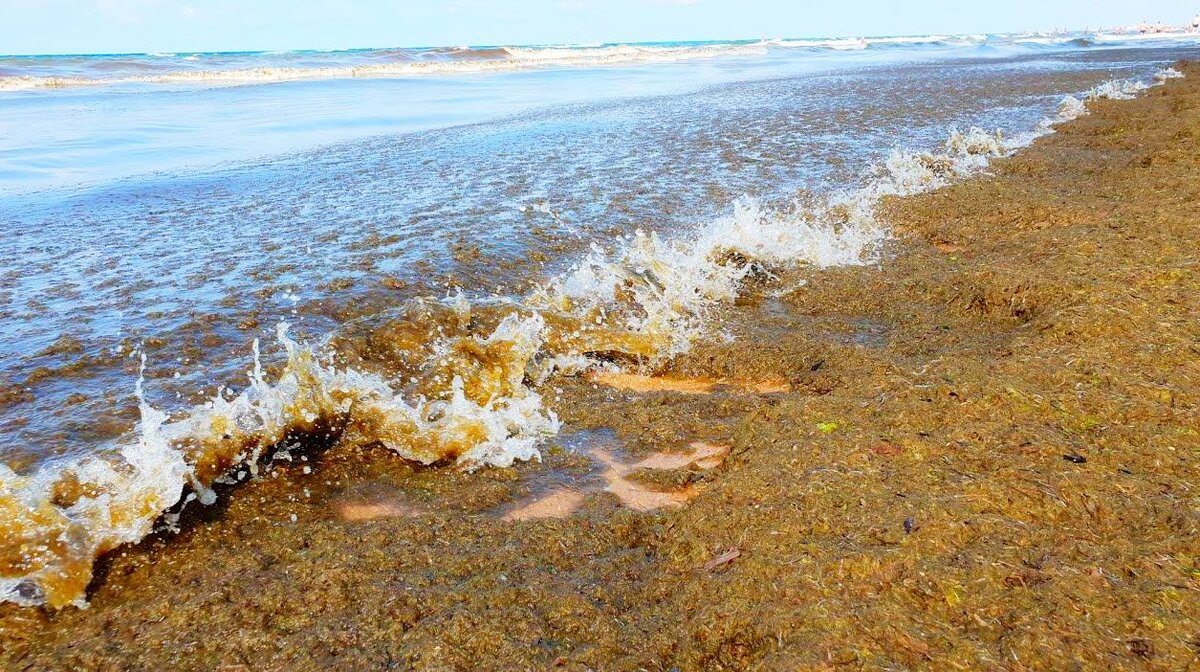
447	381
405	63
1117	90
34	73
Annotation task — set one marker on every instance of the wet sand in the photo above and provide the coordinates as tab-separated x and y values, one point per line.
980	454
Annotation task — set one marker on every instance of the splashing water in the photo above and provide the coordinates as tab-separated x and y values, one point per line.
1117	90
1167	73
1071	108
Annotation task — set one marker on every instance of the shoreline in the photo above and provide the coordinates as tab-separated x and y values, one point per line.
959	465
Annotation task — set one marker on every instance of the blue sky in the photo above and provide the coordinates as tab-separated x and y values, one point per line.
114	26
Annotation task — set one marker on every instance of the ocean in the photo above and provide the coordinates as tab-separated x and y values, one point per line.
213	259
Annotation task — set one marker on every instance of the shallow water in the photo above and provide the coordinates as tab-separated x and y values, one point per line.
493	183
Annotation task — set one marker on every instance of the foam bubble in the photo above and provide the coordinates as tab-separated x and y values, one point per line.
1117	90
1167	73
1071	108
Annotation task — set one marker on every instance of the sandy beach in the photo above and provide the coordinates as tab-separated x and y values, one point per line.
980	453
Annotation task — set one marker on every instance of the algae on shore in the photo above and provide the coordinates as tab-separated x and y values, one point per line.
983	455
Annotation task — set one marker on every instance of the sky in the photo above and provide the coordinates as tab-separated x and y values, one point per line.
135	26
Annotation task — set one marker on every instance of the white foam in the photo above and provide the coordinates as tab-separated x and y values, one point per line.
917	39
839	44
674	283
126	492
627	53
1163	36
1126	89
1071	108
962	155
129	495
1167	73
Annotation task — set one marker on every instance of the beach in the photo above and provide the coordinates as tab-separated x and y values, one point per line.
977	451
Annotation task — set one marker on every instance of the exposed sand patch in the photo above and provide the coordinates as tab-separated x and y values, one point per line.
635	495
632	382
558	503
704	455
358	512
561	502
